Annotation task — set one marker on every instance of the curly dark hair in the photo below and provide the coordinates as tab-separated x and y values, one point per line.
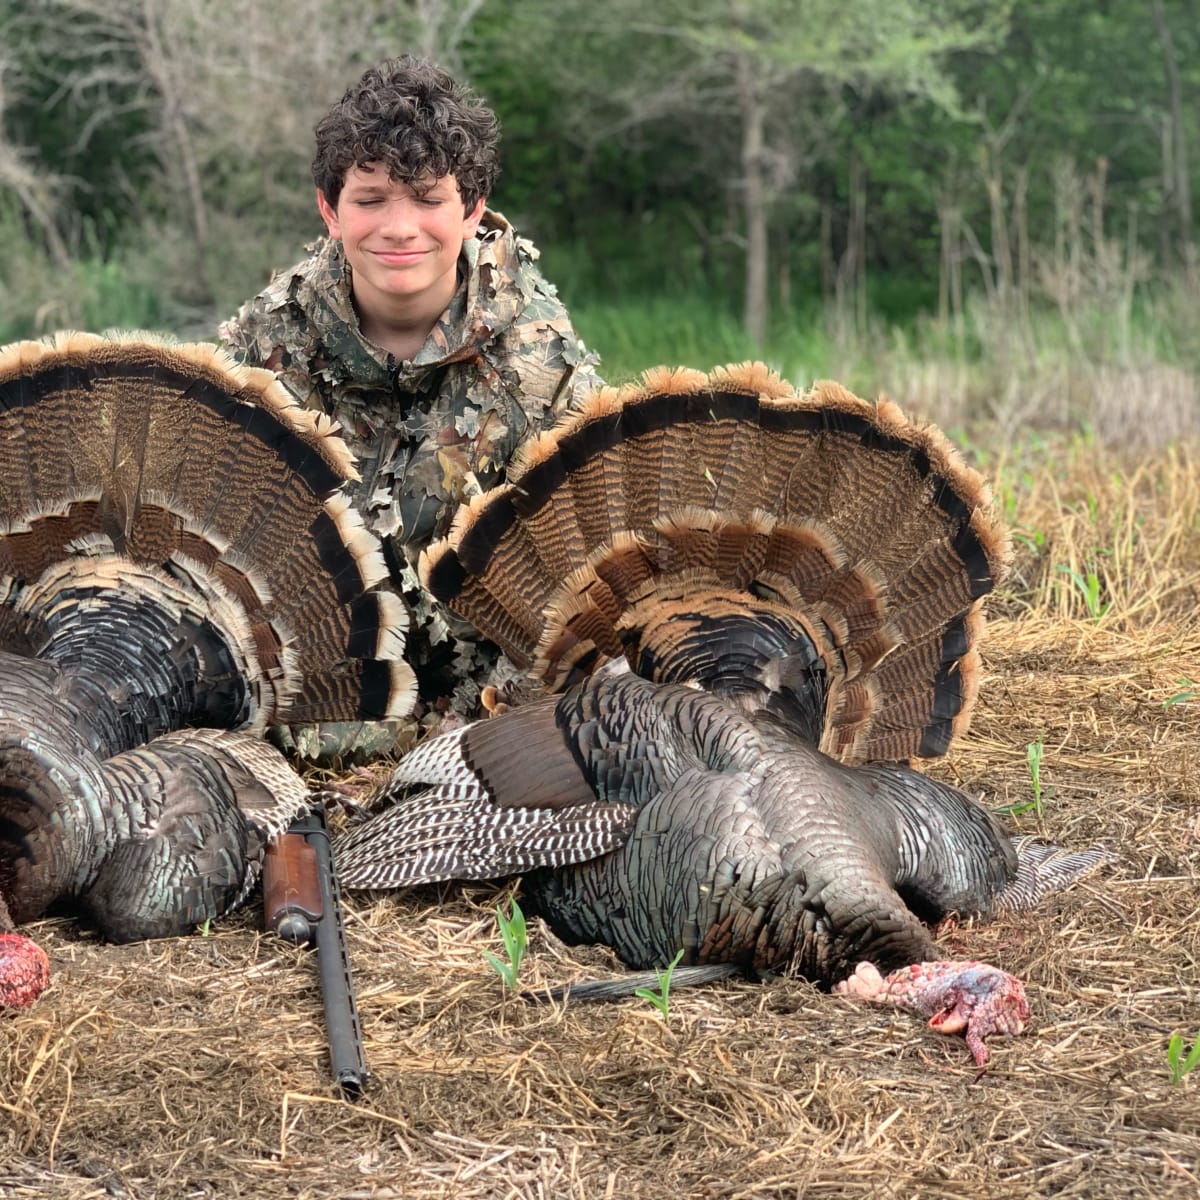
415	119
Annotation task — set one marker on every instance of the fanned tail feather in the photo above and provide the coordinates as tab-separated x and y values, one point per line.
867	529
170	457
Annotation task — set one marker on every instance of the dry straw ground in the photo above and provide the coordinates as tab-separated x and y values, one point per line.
196	1067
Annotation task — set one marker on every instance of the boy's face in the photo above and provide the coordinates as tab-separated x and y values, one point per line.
402	246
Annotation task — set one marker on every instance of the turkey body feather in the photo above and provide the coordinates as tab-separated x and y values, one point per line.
653	818
179	569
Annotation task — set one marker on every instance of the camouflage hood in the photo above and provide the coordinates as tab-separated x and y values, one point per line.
498	288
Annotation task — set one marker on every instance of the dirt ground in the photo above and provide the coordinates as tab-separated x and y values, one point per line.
197	1067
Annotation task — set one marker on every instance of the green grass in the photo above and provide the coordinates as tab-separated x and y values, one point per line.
637	332
91	291
1043	367
1179	1063
1088	587
91	294
1034	753
662	998
512	933
1040	367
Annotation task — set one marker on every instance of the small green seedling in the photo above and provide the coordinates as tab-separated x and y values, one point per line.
1180	1065
512	930
1033	760
1032	539
662	998
1188	691
1088	587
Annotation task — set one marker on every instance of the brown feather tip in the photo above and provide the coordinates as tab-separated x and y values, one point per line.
945	460
466	513
850	707
966	482
58	506
529	454
606	400
24	357
994	537
673	381
393	626
751	377
202	531
402	690
828	393
970	671
360	543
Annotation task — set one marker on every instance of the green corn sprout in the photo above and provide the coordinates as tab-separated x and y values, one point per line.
1033	759
1032	539
512	931
1088	587
1179	1064
662	998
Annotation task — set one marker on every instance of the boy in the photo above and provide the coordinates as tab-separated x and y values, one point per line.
422	324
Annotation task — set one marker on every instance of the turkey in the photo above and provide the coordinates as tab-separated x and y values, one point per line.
750	609
179	568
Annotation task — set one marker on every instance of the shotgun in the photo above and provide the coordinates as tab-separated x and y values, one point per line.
302	904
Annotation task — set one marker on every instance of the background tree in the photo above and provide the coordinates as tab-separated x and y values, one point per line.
755	89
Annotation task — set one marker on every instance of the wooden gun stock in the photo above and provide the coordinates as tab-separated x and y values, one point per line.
301	903
292	900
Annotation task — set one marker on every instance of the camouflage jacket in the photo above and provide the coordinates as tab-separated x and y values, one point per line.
501	364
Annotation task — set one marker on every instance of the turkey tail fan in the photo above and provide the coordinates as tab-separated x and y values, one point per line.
815	555
137	474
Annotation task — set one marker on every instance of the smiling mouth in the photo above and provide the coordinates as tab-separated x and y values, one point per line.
399	257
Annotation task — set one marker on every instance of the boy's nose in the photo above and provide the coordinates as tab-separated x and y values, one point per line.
400	219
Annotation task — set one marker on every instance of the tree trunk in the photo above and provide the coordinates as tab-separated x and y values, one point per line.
754	197
858	213
1001	252
1181	185
828	257
950	280
176	151
1021	233
35	199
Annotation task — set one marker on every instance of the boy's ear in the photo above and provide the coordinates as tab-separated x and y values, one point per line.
329	216
473	217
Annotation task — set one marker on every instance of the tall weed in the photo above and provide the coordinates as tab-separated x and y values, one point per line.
93	292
